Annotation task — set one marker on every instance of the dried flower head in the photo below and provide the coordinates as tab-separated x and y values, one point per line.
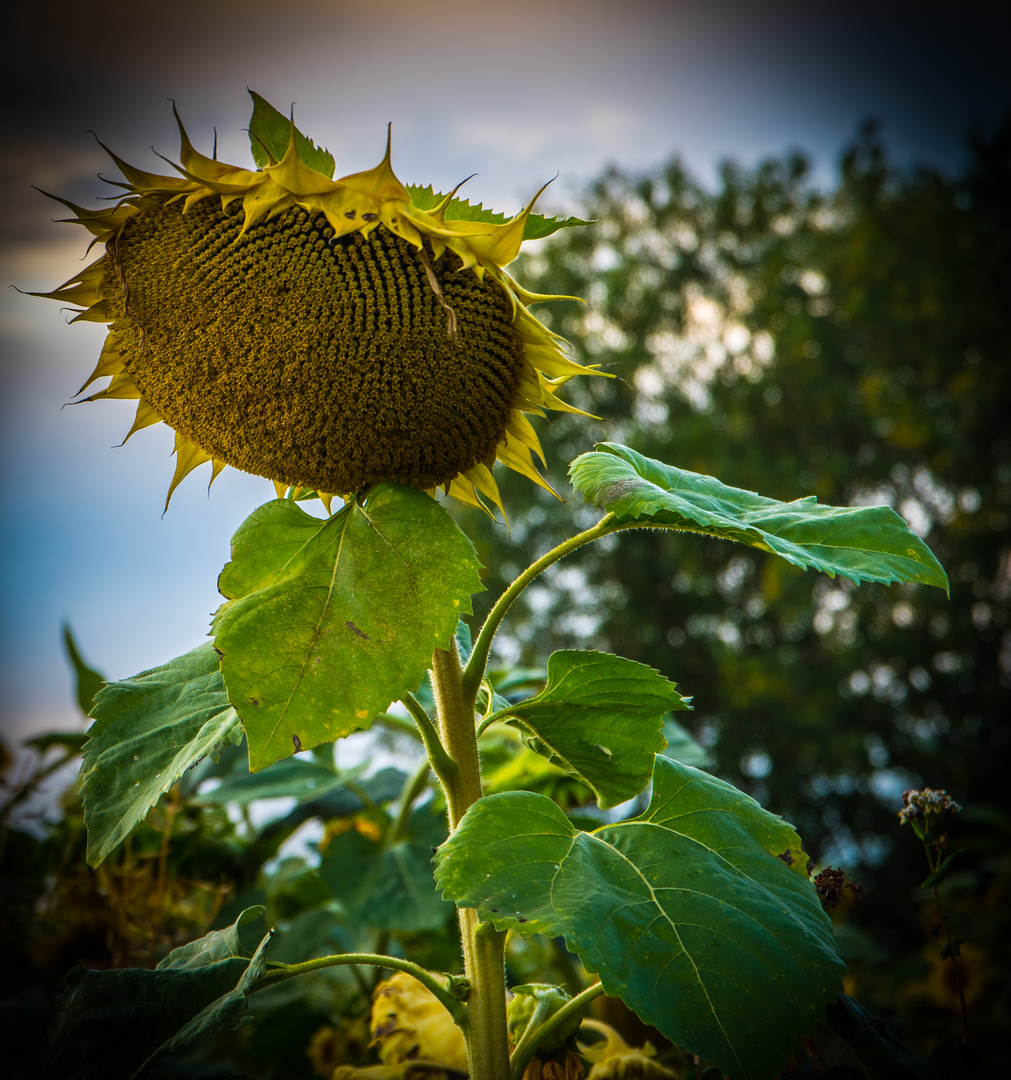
924	803
326	334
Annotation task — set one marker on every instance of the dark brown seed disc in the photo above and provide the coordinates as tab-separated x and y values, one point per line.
321	364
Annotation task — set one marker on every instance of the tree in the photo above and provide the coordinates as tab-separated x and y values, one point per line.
848	344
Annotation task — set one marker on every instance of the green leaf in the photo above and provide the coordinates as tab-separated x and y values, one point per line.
942	871
864	543
600	718
683	747
110	1022
213	947
328	621
224	1013
87	681
270	134
292	777
537	227
689	913
507	766
389	884
117	1023
148	731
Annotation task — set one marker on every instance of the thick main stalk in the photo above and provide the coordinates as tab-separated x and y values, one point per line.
483	946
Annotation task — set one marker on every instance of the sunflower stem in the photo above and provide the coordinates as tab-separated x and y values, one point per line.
483	946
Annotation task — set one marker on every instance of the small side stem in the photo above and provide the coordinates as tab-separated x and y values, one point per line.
478	661
443	765
493	718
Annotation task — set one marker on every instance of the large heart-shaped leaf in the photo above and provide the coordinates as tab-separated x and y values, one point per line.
698	914
148	731
328	621
600	718
864	543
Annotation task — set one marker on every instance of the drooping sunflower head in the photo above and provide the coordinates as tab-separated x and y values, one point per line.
326	334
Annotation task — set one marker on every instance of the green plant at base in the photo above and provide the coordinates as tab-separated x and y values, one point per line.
698	912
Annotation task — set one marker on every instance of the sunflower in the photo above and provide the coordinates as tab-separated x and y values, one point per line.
325	334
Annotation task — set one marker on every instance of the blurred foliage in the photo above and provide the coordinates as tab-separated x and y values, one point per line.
340	858
850	344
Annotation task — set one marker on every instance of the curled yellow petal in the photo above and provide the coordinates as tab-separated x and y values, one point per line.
188	458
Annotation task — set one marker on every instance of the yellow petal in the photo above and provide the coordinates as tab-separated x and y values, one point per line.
188	457
194	162
217	467
292	173
553	363
84	288
480	476
519	427
140	180
461	489
110	362
381	182
122	386
514	455
497	244
102	224
145	417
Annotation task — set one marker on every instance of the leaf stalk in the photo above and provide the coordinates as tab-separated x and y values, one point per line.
282	972
474	672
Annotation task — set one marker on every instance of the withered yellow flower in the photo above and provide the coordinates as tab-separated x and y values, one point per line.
410	1024
325	334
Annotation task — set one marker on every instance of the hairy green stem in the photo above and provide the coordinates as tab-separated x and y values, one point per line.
483	947
478	661
432	983
536	1033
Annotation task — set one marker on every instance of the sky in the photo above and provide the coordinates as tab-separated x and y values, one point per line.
515	91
